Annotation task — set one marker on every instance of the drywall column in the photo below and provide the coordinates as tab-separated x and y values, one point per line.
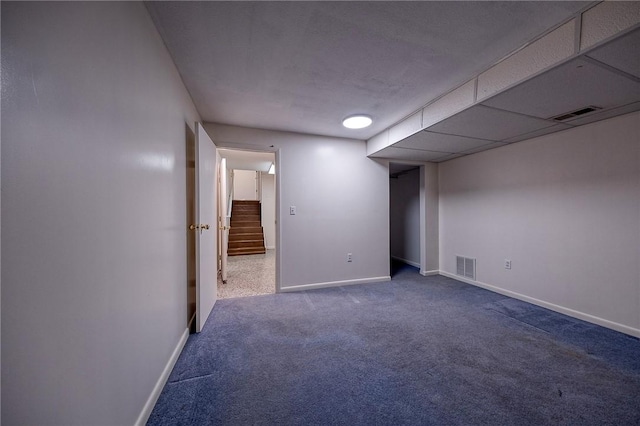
429	220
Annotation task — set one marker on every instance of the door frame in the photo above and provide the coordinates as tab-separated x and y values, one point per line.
222	225
424	218
278	187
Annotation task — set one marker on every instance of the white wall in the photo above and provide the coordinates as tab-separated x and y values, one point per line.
342	205
565	208
404	216
268	205
94	119
244	184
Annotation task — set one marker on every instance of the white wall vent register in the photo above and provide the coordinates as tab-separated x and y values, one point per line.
466	267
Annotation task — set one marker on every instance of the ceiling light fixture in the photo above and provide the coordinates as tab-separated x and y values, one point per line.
357	121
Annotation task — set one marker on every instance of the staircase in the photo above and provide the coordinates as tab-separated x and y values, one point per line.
246	235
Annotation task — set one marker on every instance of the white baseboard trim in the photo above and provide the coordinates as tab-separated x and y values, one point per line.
408	262
334	284
429	273
557	308
162	380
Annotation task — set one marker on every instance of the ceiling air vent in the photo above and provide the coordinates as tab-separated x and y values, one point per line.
582	111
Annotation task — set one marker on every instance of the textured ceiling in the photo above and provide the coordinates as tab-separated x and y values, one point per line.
304	66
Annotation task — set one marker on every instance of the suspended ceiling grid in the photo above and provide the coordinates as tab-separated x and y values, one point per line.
482	115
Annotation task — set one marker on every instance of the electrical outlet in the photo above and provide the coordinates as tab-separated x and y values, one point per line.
349	257
507	264
292	210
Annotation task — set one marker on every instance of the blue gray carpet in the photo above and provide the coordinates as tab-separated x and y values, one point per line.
416	351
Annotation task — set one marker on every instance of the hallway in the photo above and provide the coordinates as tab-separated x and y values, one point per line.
250	275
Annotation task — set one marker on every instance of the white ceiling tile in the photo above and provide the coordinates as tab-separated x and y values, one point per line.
379	141
408	154
406	127
454	101
549	50
568	87
607	19
440	142
558	127
623	53
487	123
486	147
448	157
602	115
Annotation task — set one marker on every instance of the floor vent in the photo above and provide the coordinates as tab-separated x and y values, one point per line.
466	267
581	111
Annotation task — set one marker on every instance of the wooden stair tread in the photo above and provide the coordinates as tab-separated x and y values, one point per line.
246	237
238	252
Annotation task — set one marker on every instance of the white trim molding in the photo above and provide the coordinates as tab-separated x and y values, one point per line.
162	380
408	262
557	308
429	273
334	284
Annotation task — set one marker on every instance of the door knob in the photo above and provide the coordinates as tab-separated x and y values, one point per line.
205	226
193	227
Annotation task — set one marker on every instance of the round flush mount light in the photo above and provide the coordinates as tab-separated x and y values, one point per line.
357	121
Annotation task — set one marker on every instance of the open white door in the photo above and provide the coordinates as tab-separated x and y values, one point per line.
223	222
205	227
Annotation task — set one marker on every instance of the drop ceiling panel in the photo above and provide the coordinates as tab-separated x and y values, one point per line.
607	19
623	53
602	115
454	101
488	123
558	127
409	154
440	142
448	157
572	86
543	53
486	147
406	127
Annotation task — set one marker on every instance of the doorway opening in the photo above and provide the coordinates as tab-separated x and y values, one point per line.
251	217
404	216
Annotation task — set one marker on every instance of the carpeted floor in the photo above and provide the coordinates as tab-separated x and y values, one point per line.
418	350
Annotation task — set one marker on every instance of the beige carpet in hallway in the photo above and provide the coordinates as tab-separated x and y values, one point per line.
249	275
